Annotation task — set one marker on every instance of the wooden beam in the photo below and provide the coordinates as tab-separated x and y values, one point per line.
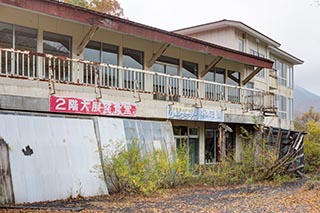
86	39
251	75
213	63
156	55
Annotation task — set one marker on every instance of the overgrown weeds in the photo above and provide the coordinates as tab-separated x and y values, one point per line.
131	171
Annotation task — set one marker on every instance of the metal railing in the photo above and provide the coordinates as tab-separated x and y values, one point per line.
31	65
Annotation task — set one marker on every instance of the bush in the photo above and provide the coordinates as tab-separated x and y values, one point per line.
134	172
312	156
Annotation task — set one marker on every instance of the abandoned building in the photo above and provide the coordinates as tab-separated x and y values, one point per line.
74	80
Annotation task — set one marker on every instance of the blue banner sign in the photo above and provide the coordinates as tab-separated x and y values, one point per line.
194	114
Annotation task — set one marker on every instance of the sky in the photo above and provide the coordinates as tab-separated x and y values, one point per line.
295	24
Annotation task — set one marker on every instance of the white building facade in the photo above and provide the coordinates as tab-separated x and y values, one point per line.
160	87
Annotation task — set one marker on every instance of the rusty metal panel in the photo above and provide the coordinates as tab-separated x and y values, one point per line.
6	192
51	157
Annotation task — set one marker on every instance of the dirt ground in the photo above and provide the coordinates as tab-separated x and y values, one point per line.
288	197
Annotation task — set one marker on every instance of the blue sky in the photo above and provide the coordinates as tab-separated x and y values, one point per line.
295	24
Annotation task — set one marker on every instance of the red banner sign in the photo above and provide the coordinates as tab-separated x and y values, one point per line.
92	107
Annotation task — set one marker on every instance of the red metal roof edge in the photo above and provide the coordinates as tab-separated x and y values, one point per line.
134	28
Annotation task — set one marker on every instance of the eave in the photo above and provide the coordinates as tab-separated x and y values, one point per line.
85	16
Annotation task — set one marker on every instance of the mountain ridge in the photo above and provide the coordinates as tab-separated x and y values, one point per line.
304	99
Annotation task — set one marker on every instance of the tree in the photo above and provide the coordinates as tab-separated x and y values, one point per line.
301	121
111	7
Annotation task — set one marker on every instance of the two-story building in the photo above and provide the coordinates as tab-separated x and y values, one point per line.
278	80
74	80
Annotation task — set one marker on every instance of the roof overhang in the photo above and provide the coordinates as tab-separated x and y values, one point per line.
93	18
228	23
286	56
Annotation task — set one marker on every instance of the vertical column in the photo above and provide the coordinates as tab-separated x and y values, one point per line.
40	72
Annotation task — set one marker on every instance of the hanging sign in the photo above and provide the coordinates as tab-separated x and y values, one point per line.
194	114
91	106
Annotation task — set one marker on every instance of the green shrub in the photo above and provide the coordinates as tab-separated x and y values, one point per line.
134	172
312	156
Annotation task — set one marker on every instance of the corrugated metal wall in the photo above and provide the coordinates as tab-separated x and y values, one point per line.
64	151
54	157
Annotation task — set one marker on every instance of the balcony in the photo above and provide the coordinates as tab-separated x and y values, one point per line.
60	70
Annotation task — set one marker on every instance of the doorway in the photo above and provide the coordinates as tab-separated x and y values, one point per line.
189	137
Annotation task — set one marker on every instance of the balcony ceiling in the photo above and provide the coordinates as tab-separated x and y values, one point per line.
85	16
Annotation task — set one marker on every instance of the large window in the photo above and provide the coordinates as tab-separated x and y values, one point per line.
282	72
215	91
241	46
6	35
21	38
58	45
133	59
281	102
233	78
290	77
190	70
290	109
101	53
262	73
165	85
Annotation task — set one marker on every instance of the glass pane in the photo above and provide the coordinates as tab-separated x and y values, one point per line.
180	130
168	60
209	76
57	44
26	38
132	58
92	51
110	54
233	78
158	68
171	70
189	69
6	35
220	75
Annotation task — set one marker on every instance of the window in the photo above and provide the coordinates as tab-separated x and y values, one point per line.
190	70
101	53
21	38
6	35
282	72
133	59
241	44
215	91
163	85
290	109
290	77
233	78
281	103
58	45
261	74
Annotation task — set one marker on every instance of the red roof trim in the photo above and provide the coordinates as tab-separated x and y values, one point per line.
74	13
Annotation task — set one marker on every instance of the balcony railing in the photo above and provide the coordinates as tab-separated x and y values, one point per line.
31	65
